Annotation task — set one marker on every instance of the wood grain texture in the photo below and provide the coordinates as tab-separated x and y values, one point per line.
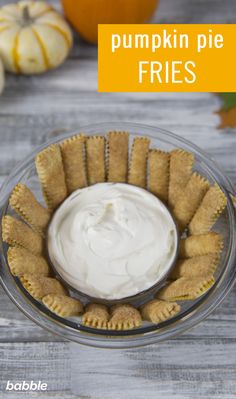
201	363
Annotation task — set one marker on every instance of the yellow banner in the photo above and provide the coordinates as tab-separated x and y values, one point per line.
166	58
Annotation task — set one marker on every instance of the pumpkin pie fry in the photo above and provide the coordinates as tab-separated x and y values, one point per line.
40	286
202	244
186	288
158	311
159	163
194	267
95	154
189	200
181	163
23	262
124	317
118	145
96	315
51	174
15	232
63	305
212	205
73	156
138	164
23	201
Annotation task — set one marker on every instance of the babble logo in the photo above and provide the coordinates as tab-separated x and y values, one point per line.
26	386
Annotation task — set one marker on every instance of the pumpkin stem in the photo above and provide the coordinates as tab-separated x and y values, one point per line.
26	15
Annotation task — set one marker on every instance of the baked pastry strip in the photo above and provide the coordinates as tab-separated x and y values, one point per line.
186	288
95	155
51	174
118	147
21	262
40	286
211	207
137	174
194	267
96	315
181	163
23	201
202	244
189	200
15	232
73	156
63	305
158	311
124	317
159	164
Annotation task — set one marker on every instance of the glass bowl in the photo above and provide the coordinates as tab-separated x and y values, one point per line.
192	312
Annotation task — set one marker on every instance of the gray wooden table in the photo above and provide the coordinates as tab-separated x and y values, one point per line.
202	362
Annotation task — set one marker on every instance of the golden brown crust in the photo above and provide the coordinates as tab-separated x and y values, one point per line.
202	244
63	305
138	164
23	201
23	262
159	165
211	207
181	163
73	156
15	232
40	286
118	147
95	154
96	315
51	174
189	200
124	317
186	288
194	267
158	311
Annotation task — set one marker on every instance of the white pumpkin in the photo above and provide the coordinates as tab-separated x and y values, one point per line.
33	37
2	79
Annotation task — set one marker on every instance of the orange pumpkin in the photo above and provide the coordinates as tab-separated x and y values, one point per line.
85	15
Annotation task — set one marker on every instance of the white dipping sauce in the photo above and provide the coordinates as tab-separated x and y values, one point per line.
112	240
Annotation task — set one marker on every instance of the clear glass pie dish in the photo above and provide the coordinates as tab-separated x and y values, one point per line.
192	312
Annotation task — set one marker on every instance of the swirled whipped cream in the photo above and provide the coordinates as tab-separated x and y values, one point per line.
112	240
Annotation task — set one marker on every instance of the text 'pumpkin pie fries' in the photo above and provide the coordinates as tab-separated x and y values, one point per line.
138	163
124	317
40	286
73	156
118	146
159	163
15	232
51	174
158	311
185	288
95	155
21	262
63	305
96	315
23	201
202	244
203	265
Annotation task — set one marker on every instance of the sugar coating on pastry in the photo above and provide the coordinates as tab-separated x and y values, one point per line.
181	164
118	147
186	288
15	232
23	201
21	262
159	165
189	200
137	174
158	311
194	267
73	156
202	244
63	305
51	175
211	207
95	155
40	286
96	315
124	317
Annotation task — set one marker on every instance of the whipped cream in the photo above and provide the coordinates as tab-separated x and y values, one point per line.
112	240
